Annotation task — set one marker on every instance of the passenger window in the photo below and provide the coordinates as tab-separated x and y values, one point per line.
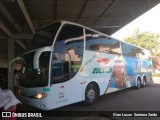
147	55
129	50
98	42
140	54
133	51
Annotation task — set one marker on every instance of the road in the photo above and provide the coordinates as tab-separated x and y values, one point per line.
156	80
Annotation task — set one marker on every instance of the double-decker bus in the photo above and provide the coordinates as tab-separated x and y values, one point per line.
68	63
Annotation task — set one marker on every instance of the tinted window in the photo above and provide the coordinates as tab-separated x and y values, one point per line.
133	51
144	54
129	50
140	53
68	52
100	43
44	37
31	77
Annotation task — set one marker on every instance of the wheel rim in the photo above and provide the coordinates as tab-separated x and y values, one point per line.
91	95
138	83
144	83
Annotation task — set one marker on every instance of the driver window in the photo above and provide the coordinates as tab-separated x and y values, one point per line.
68	53
60	67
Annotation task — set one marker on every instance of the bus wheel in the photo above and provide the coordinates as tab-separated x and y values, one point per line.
91	94
144	82
138	83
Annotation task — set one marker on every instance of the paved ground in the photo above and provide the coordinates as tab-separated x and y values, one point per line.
144	99
156	80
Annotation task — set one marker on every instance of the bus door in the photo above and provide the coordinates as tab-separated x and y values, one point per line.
61	67
66	62
60	73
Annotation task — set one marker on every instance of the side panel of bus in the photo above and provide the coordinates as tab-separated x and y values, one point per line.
68	92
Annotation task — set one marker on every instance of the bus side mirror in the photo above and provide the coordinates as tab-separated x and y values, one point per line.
37	55
12	61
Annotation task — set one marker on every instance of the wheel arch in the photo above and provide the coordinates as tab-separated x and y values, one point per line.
138	76
144	78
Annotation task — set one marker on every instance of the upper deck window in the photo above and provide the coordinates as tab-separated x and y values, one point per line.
133	51
44	37
98	42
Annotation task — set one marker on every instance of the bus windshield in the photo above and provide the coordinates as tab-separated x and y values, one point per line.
31	77
44	37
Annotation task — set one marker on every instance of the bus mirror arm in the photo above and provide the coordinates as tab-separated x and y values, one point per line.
12	61
37	55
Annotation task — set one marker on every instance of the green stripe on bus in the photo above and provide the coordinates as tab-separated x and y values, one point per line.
46	89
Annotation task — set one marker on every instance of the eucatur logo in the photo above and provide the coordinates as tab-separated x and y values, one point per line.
101	70
103	60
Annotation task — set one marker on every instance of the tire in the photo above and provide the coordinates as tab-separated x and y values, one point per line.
138	83
91	94
144	82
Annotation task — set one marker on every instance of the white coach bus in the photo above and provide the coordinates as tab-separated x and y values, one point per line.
67	63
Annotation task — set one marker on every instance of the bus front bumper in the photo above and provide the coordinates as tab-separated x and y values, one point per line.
42	104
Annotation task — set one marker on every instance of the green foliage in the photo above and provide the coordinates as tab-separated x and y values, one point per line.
156	75
145	40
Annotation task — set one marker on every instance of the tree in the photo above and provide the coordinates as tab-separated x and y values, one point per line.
148	41
145	40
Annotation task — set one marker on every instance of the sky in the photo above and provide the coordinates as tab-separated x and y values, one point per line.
149	21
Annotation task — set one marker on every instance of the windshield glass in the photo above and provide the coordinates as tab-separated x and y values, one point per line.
31	77
44	37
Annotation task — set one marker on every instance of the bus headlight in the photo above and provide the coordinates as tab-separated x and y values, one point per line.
40	95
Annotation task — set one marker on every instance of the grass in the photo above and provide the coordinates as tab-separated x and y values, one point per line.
156	75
